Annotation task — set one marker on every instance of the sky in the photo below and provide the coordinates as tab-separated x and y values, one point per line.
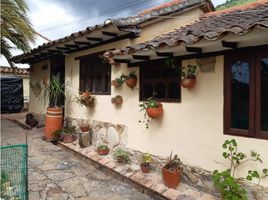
58	18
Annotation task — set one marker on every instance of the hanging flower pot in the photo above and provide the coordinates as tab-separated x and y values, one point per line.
188	75
131	80
156	111
118	100
188	82
118	82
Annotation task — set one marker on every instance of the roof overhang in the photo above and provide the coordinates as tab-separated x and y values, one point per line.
204	47
78	42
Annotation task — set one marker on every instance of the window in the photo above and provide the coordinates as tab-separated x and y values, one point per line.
160	79
95	75
246	93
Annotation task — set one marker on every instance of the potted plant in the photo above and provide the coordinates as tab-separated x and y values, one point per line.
172	172
55	92
84	127
118	82
103	149
86	99
153	108
118	100
68	134
145	163
121	156
188	75
131	80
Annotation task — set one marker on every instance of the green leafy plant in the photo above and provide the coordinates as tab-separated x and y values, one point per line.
173	162
189	72
55	90
150	103
131	75
146	158
228	186
122	156
85	99
119	81
103	147
225	181
69	130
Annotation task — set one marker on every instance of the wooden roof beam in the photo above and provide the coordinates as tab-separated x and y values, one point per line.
193	49
72	45
109	34
141	57
232	45
164	54
122	61
82	43
95	39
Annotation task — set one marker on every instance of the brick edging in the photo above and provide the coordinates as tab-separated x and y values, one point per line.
116	174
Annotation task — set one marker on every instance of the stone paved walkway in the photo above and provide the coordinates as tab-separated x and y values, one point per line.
55	174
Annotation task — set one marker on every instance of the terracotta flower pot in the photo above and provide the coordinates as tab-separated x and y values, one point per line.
54	122
131	82
117	100
116	83
155	112
84	128
188	83
120	159
103	152
171	178
68	138
145	167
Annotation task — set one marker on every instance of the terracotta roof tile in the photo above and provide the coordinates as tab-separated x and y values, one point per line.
18	71
165	9
211	26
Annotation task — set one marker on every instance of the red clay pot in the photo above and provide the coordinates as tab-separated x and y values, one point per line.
103	152
145	167
84	128
172	178
116	84
188	83
68	138
53	122
120	159
131	82
155	112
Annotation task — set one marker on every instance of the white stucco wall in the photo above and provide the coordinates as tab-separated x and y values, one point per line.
193	128
38	103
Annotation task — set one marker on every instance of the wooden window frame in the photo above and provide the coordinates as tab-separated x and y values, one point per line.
150	64
254	92
82	76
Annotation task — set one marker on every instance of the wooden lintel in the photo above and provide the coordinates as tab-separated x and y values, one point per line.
94	39
141	57
164	54
122	60
193	49
82	43
63	48
232	45
72	45
109	34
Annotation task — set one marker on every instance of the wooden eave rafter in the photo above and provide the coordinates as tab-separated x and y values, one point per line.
89	41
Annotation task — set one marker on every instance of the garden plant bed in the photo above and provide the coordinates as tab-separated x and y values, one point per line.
150	184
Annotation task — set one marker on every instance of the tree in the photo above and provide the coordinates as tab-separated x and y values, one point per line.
16	29
232	3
